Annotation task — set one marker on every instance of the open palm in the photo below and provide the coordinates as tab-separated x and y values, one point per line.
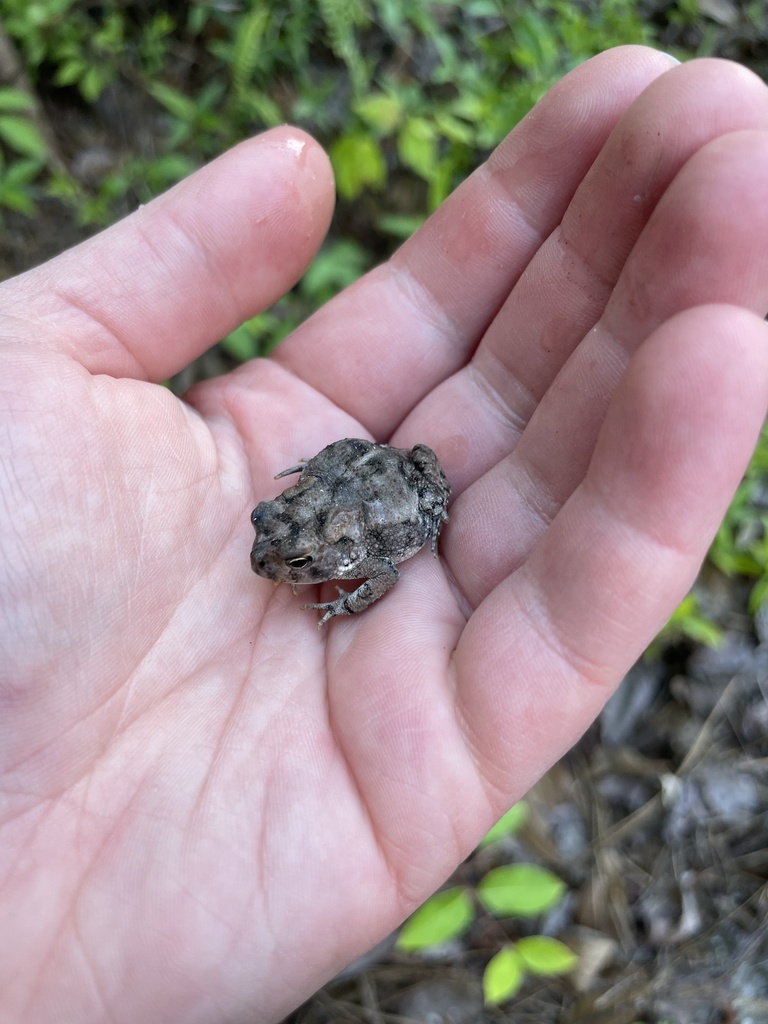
209	805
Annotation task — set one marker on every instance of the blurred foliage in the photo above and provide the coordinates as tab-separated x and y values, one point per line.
741	545
23	155
688	622
393	88
507	825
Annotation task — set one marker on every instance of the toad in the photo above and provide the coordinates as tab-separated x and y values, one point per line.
357	509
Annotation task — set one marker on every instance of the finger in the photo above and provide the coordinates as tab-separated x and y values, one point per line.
545	649
382	345
150	294
476	417
706	242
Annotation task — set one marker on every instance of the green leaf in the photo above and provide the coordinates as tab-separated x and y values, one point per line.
439	184
688	620
380	111
334	268
522	889
93	83
16	199
535	47
21	173
444	916
758	595
340	17
503	976
357	162
197	16
471	108
417	146
164	171
542	955
247	48
703	631
507	825
399	225
21	135
260	107
14	100
454	129
175	102
70	71
241	344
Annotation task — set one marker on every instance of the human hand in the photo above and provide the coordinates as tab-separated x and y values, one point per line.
209	805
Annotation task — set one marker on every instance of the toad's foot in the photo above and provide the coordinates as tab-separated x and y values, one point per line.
358	600
332	608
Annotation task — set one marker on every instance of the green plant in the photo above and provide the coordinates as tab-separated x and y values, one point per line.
689	622
396	89
507	825
537	954
484	79
26	152
17	184
337	265
88	47
442	917
17	131
515	890
740	547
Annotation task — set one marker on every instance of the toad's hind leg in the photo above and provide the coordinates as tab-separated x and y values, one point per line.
434	495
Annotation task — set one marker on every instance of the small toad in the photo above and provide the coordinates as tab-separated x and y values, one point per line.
357	509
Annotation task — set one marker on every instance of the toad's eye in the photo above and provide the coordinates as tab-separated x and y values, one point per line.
300	561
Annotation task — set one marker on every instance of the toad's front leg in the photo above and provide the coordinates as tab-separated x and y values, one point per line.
381	576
